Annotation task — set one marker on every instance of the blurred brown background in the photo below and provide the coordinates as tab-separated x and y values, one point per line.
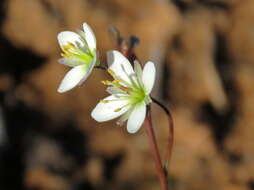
204	57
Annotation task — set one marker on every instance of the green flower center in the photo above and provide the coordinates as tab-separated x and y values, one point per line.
133	92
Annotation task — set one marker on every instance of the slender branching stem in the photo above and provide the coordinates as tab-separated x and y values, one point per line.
161	105
155	151
160	170
171	129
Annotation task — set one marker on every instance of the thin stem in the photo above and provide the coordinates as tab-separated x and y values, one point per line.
171	130
154	148
161	105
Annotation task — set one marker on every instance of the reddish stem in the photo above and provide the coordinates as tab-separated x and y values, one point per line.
154	148
171	129
170	138
127	50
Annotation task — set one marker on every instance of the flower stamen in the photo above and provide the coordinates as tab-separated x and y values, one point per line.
117	83
68	50
112	73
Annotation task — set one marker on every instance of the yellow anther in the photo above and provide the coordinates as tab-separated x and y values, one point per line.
117	110
118	80
104	101
67	49
112	73
106	82
69	46
115	82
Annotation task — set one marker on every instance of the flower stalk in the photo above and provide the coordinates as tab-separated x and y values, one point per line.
160	169
170	131
155	151
129	90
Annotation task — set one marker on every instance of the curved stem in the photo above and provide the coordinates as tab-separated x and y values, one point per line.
154	148
161	105
171	129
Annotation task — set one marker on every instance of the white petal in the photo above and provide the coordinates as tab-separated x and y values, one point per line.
89	36
149	76
120	65
89	70
72	78
71	62
69	37
107	111
136	118
138	71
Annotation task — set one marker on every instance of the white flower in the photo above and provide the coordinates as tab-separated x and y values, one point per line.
129	91
79	52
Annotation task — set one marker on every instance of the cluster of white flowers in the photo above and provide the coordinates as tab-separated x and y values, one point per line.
130	90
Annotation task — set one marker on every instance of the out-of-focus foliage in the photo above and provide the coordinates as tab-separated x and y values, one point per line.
204	56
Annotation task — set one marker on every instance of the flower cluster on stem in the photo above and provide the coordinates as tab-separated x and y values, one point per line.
129	90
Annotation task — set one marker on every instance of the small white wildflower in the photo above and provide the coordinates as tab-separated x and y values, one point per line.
79	52
129	91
